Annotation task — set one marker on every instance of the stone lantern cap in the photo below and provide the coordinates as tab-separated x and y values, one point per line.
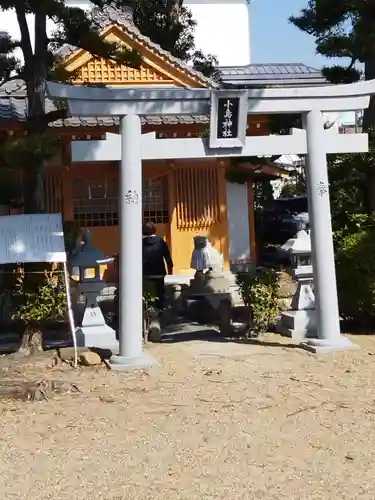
86	255
301	244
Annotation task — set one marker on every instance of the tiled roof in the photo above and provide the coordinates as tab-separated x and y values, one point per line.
111	121
13	108
272	74
14	88
13	94
109	15
296	69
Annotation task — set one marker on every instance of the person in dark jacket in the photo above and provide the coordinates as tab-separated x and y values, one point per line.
156	256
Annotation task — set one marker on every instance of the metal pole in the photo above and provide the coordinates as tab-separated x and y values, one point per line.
130	272
327	310
70	313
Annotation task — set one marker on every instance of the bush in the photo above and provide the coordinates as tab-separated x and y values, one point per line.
355	270
259	292
36	300
46	303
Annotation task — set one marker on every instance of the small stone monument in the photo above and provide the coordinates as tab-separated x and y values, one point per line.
93	332
209	279
299	322
210	288
205	256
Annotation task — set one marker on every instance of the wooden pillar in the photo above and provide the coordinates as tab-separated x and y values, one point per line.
252	236
222	187
172	199
67	183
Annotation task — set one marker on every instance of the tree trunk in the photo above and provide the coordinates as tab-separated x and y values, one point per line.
36	125
31	342
34	173
368	125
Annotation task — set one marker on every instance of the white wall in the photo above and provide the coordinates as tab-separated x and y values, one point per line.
223	29
238	222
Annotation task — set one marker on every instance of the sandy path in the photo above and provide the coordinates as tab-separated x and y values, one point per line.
215	421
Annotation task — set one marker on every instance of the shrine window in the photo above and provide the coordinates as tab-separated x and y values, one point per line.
95	203
155	201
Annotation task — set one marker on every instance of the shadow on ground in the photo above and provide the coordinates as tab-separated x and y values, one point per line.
186	331
180	330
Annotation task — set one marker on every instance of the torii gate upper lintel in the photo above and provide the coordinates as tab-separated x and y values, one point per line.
129	104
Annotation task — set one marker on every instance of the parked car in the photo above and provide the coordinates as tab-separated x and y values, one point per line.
285	217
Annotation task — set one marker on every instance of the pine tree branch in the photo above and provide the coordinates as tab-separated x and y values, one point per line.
340	74
320	15
8	44
76	25
53	116
8	61
7	66
337	45
342	29
352	63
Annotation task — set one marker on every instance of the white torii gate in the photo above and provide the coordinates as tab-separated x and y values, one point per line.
131	147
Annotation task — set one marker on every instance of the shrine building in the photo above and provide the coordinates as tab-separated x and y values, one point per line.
184	198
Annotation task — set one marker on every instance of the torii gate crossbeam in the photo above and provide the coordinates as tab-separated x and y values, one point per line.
129	104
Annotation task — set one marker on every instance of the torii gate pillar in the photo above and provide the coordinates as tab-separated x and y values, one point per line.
325	291
131	355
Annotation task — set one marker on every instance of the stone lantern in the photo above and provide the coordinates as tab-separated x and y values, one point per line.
299	249
85	268
299	322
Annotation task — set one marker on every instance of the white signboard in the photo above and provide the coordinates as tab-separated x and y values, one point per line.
31	238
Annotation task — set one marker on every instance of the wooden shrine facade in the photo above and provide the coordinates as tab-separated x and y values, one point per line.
184	198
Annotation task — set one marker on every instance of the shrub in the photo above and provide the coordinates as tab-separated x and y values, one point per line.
259	292
46	303
33	307
355	270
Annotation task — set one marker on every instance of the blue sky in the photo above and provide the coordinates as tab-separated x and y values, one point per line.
274	39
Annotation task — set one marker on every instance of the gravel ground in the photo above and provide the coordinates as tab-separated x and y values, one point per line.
215	420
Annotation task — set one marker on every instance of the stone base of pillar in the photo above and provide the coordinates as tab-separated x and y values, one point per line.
324	346
103	337
125	364
297	325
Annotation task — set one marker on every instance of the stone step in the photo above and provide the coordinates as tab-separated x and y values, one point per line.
299	320
297	325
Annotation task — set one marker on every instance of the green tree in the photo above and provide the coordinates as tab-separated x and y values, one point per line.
348	176
171	25
342	29
166	22
294	187
74	27
345	29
